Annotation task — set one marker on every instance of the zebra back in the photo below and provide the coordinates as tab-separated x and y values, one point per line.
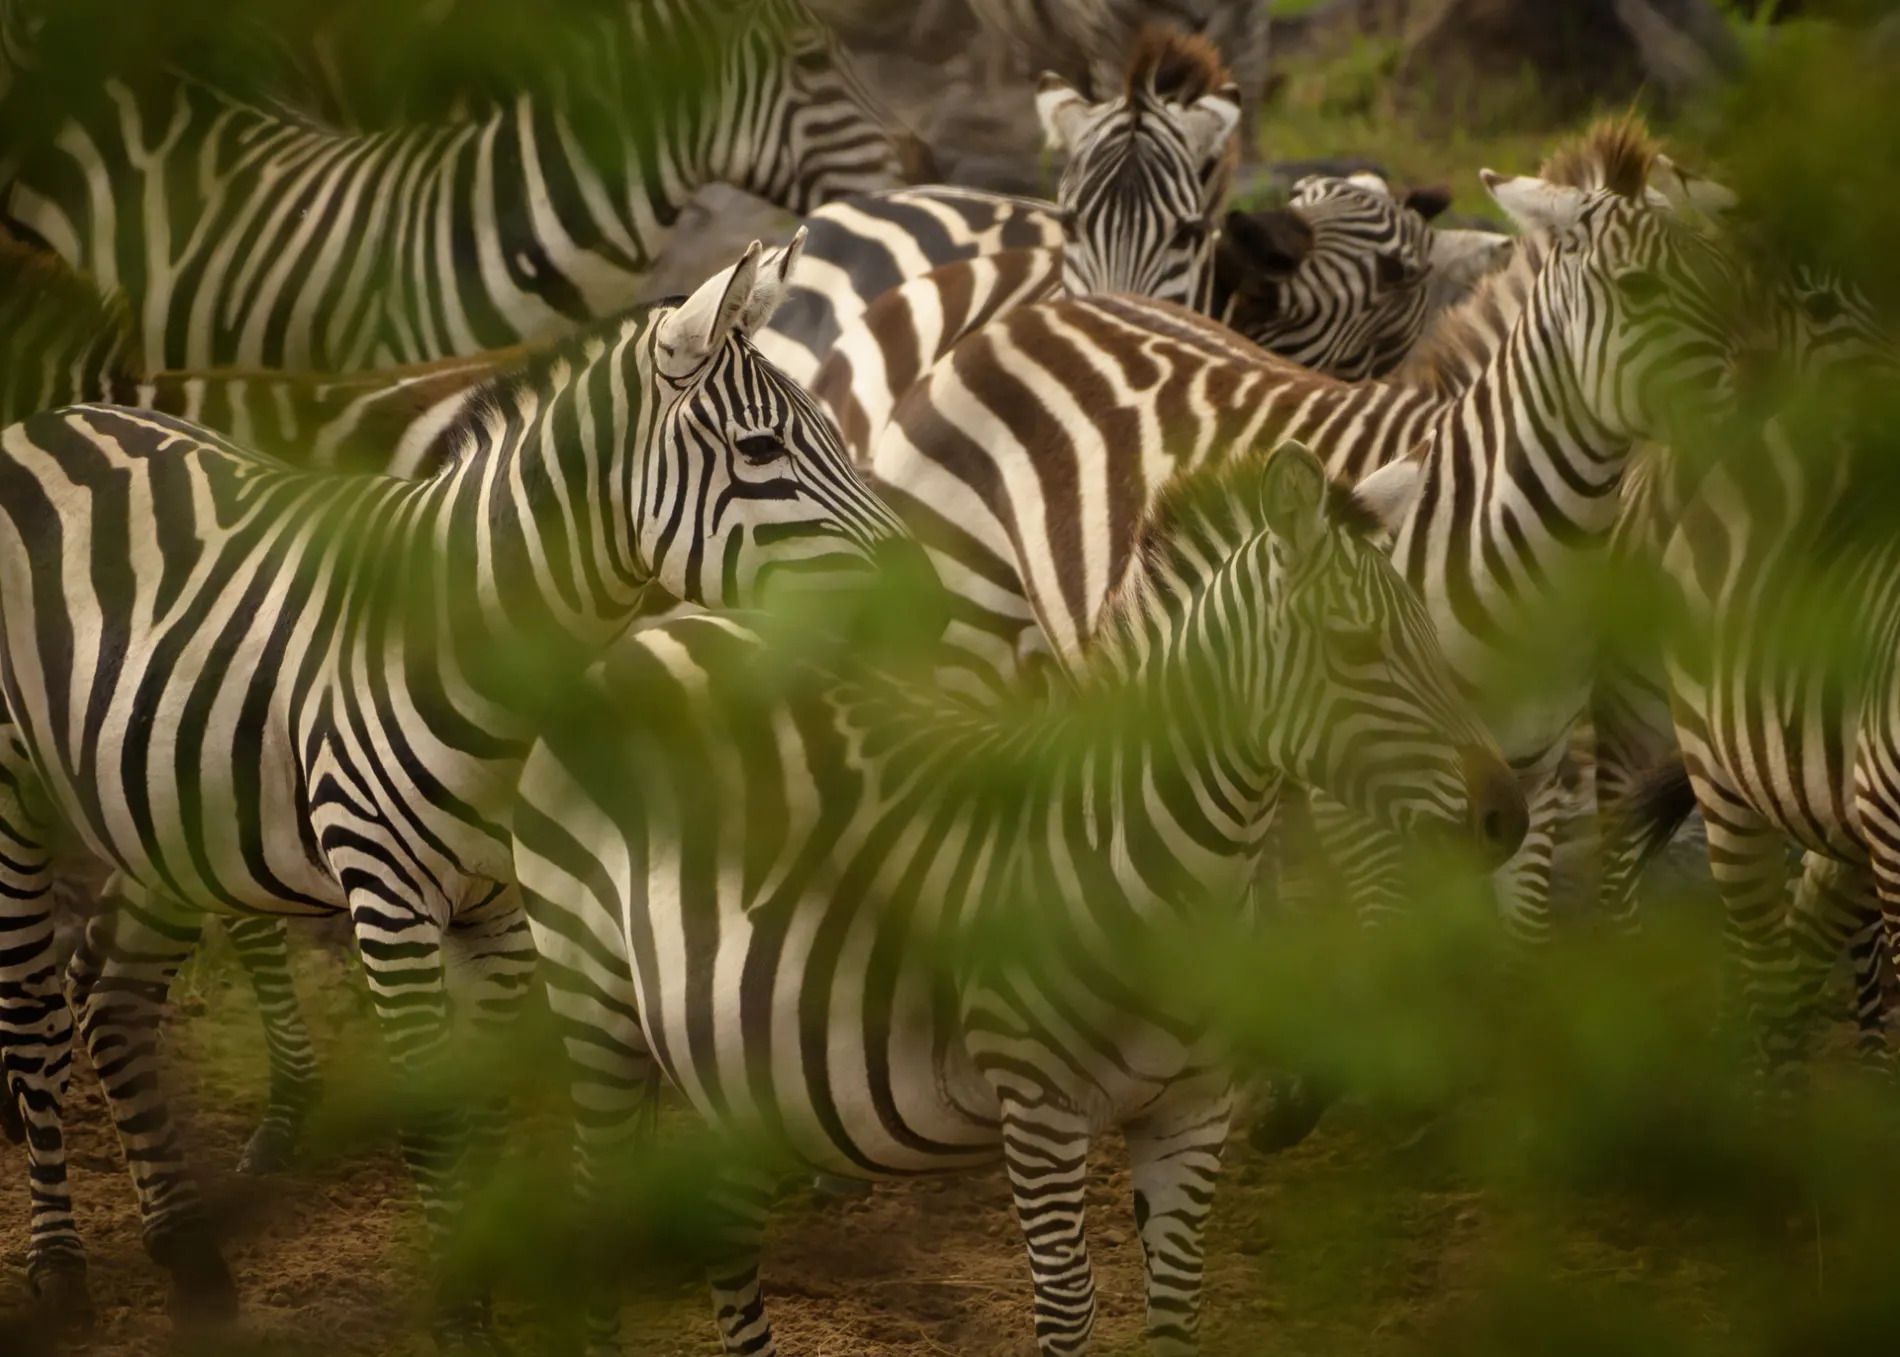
1024	462
243	237
63	341
862	247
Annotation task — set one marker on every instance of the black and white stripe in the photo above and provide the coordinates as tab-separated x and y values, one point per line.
279	693
248	238
1026	457
851	992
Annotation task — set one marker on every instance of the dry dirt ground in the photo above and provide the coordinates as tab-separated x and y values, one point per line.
1343	1246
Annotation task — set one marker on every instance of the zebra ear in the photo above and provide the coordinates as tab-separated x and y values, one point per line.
1690	194
1389	493
1535	204
1428	202
1273	242
1064	112
699	325
1293	496
1463	257
1210	121
775	281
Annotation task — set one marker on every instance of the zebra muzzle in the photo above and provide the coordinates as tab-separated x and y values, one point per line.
1496	813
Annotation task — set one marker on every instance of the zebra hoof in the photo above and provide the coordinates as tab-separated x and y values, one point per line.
203	1296
1293	1111
61	1297
271	1149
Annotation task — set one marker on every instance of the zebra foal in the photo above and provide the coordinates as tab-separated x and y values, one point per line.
309	694
783	897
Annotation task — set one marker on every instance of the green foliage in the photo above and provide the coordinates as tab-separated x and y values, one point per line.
1556	1154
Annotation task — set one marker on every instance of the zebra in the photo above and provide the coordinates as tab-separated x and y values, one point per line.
1330	281
1314	282
1137	208
1263	635
1826	336
251	239
1779	677
1023	459
286	722
63	342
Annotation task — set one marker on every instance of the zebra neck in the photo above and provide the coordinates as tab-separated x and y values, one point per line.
535	518
1522	464
1180	678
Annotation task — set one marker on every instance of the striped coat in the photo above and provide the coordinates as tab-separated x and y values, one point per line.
890	933
302	694
248	238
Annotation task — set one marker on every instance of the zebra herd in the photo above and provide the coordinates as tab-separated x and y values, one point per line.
339	475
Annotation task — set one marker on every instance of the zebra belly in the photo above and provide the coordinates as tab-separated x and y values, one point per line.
1793	764
175	783
804	1028
147	653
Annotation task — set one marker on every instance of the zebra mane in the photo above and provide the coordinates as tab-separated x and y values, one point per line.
526	368
1612	153
1173	67
45	296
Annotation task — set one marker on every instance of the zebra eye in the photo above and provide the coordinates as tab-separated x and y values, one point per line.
814	59
1357	646
1641	287
761	448
1393	272
1822	306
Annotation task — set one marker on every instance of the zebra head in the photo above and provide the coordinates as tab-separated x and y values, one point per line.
1312	649
1820	321
1643	310
748	481
1364	705
1148	171
1337	279
795	123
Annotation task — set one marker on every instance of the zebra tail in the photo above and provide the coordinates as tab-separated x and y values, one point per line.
1662	801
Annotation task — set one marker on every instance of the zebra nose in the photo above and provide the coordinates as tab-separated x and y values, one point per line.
1495	805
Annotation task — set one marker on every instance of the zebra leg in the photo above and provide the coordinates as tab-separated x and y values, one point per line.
401	944
1361	861
611	1077
490	955
1834	904
263	951
1868	951
1046	1150
1749	861
137	944
1175	1162
36	1032
742	1202
1523	883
